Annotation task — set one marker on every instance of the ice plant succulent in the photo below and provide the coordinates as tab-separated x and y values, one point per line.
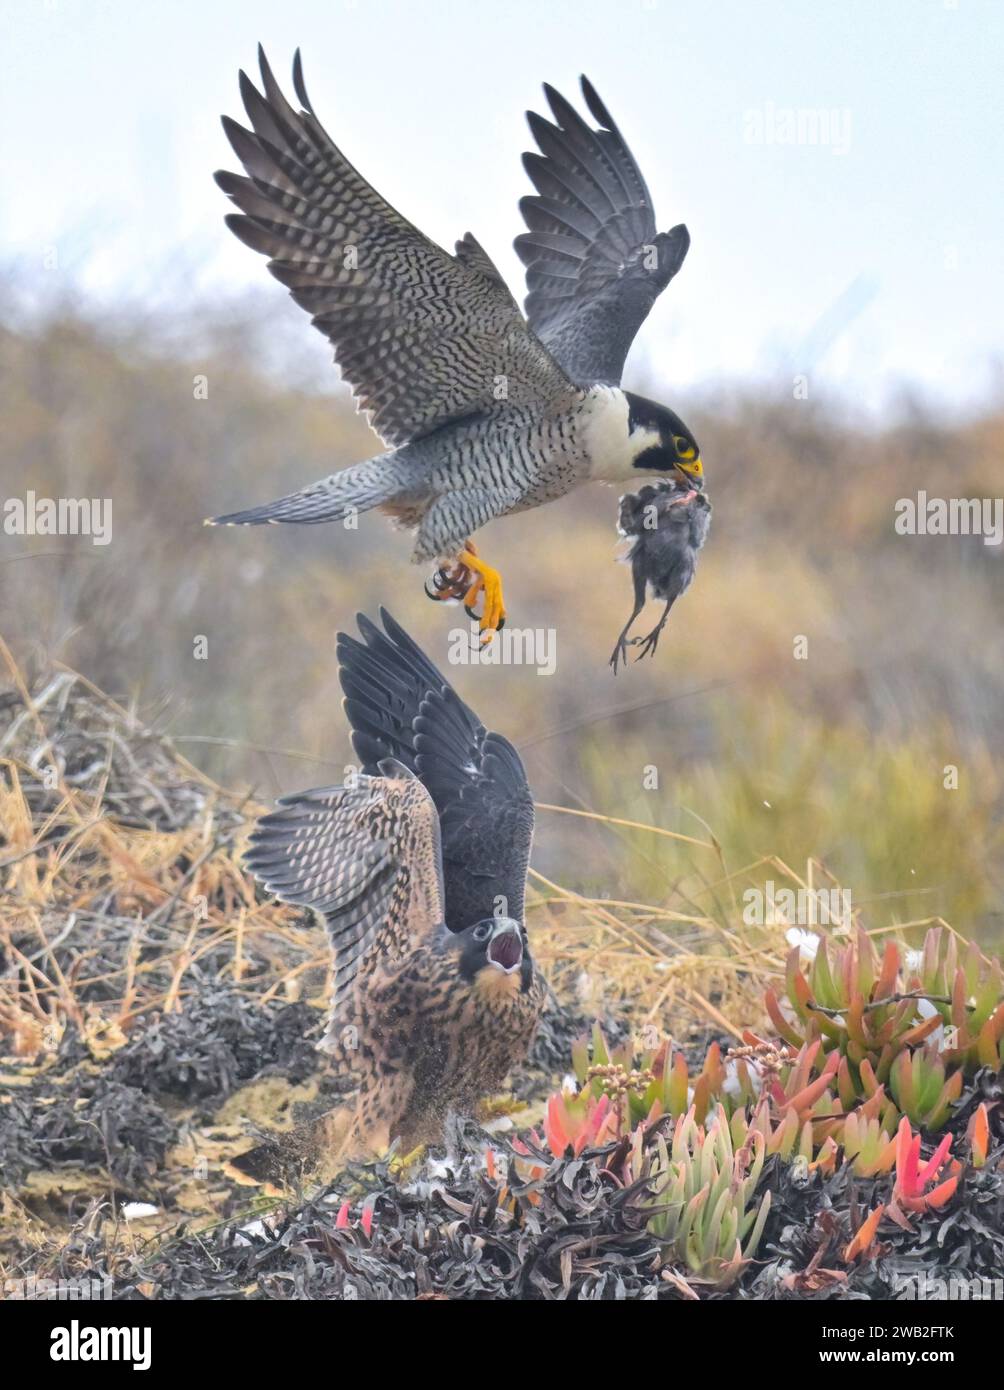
578	1122
704	1194
912	1022
754	1061
867	1146
863	1090
978	1134
917	1188
967	992
921	1089
797	1089
343	1220
644	1088
864	1236
853	1004
788	1138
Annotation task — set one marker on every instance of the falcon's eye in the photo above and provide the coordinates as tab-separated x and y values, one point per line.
683	449
483	931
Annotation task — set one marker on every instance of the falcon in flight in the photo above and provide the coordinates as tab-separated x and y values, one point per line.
484	412
418	869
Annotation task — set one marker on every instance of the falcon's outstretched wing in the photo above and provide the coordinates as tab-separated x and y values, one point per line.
595	264
399	706
366	857
421	336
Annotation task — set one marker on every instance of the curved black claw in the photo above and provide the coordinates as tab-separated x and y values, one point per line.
619	653
475	616
647	644
446	584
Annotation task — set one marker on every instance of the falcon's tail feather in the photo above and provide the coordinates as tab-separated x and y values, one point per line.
336	498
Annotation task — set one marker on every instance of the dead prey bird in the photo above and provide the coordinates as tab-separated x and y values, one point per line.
669	522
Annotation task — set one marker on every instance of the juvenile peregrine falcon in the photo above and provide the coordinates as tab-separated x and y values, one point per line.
418	868
484	413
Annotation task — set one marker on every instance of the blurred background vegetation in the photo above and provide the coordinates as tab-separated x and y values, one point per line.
839	758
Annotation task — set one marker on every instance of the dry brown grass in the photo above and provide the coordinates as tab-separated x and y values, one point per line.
120	874
122	881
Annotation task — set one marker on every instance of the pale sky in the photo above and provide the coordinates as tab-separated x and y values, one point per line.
870	259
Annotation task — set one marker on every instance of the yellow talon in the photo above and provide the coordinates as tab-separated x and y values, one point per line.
399	1164
488	583
499	1107
471	594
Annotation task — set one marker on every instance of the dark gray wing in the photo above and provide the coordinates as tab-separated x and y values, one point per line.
399	706
595	264
421	336
366	857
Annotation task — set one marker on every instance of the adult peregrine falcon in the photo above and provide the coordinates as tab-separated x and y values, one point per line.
418	868
484	412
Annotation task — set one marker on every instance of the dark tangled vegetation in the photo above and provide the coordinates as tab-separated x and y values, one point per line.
157	1019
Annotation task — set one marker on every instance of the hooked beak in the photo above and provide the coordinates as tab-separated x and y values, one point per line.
692	473
505	950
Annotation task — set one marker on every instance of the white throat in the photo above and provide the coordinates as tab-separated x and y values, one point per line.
611	445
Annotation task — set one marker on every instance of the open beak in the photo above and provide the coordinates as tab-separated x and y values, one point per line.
505	950
692	474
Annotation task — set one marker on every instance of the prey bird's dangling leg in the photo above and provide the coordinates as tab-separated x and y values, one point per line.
648	644
487	583
620	651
